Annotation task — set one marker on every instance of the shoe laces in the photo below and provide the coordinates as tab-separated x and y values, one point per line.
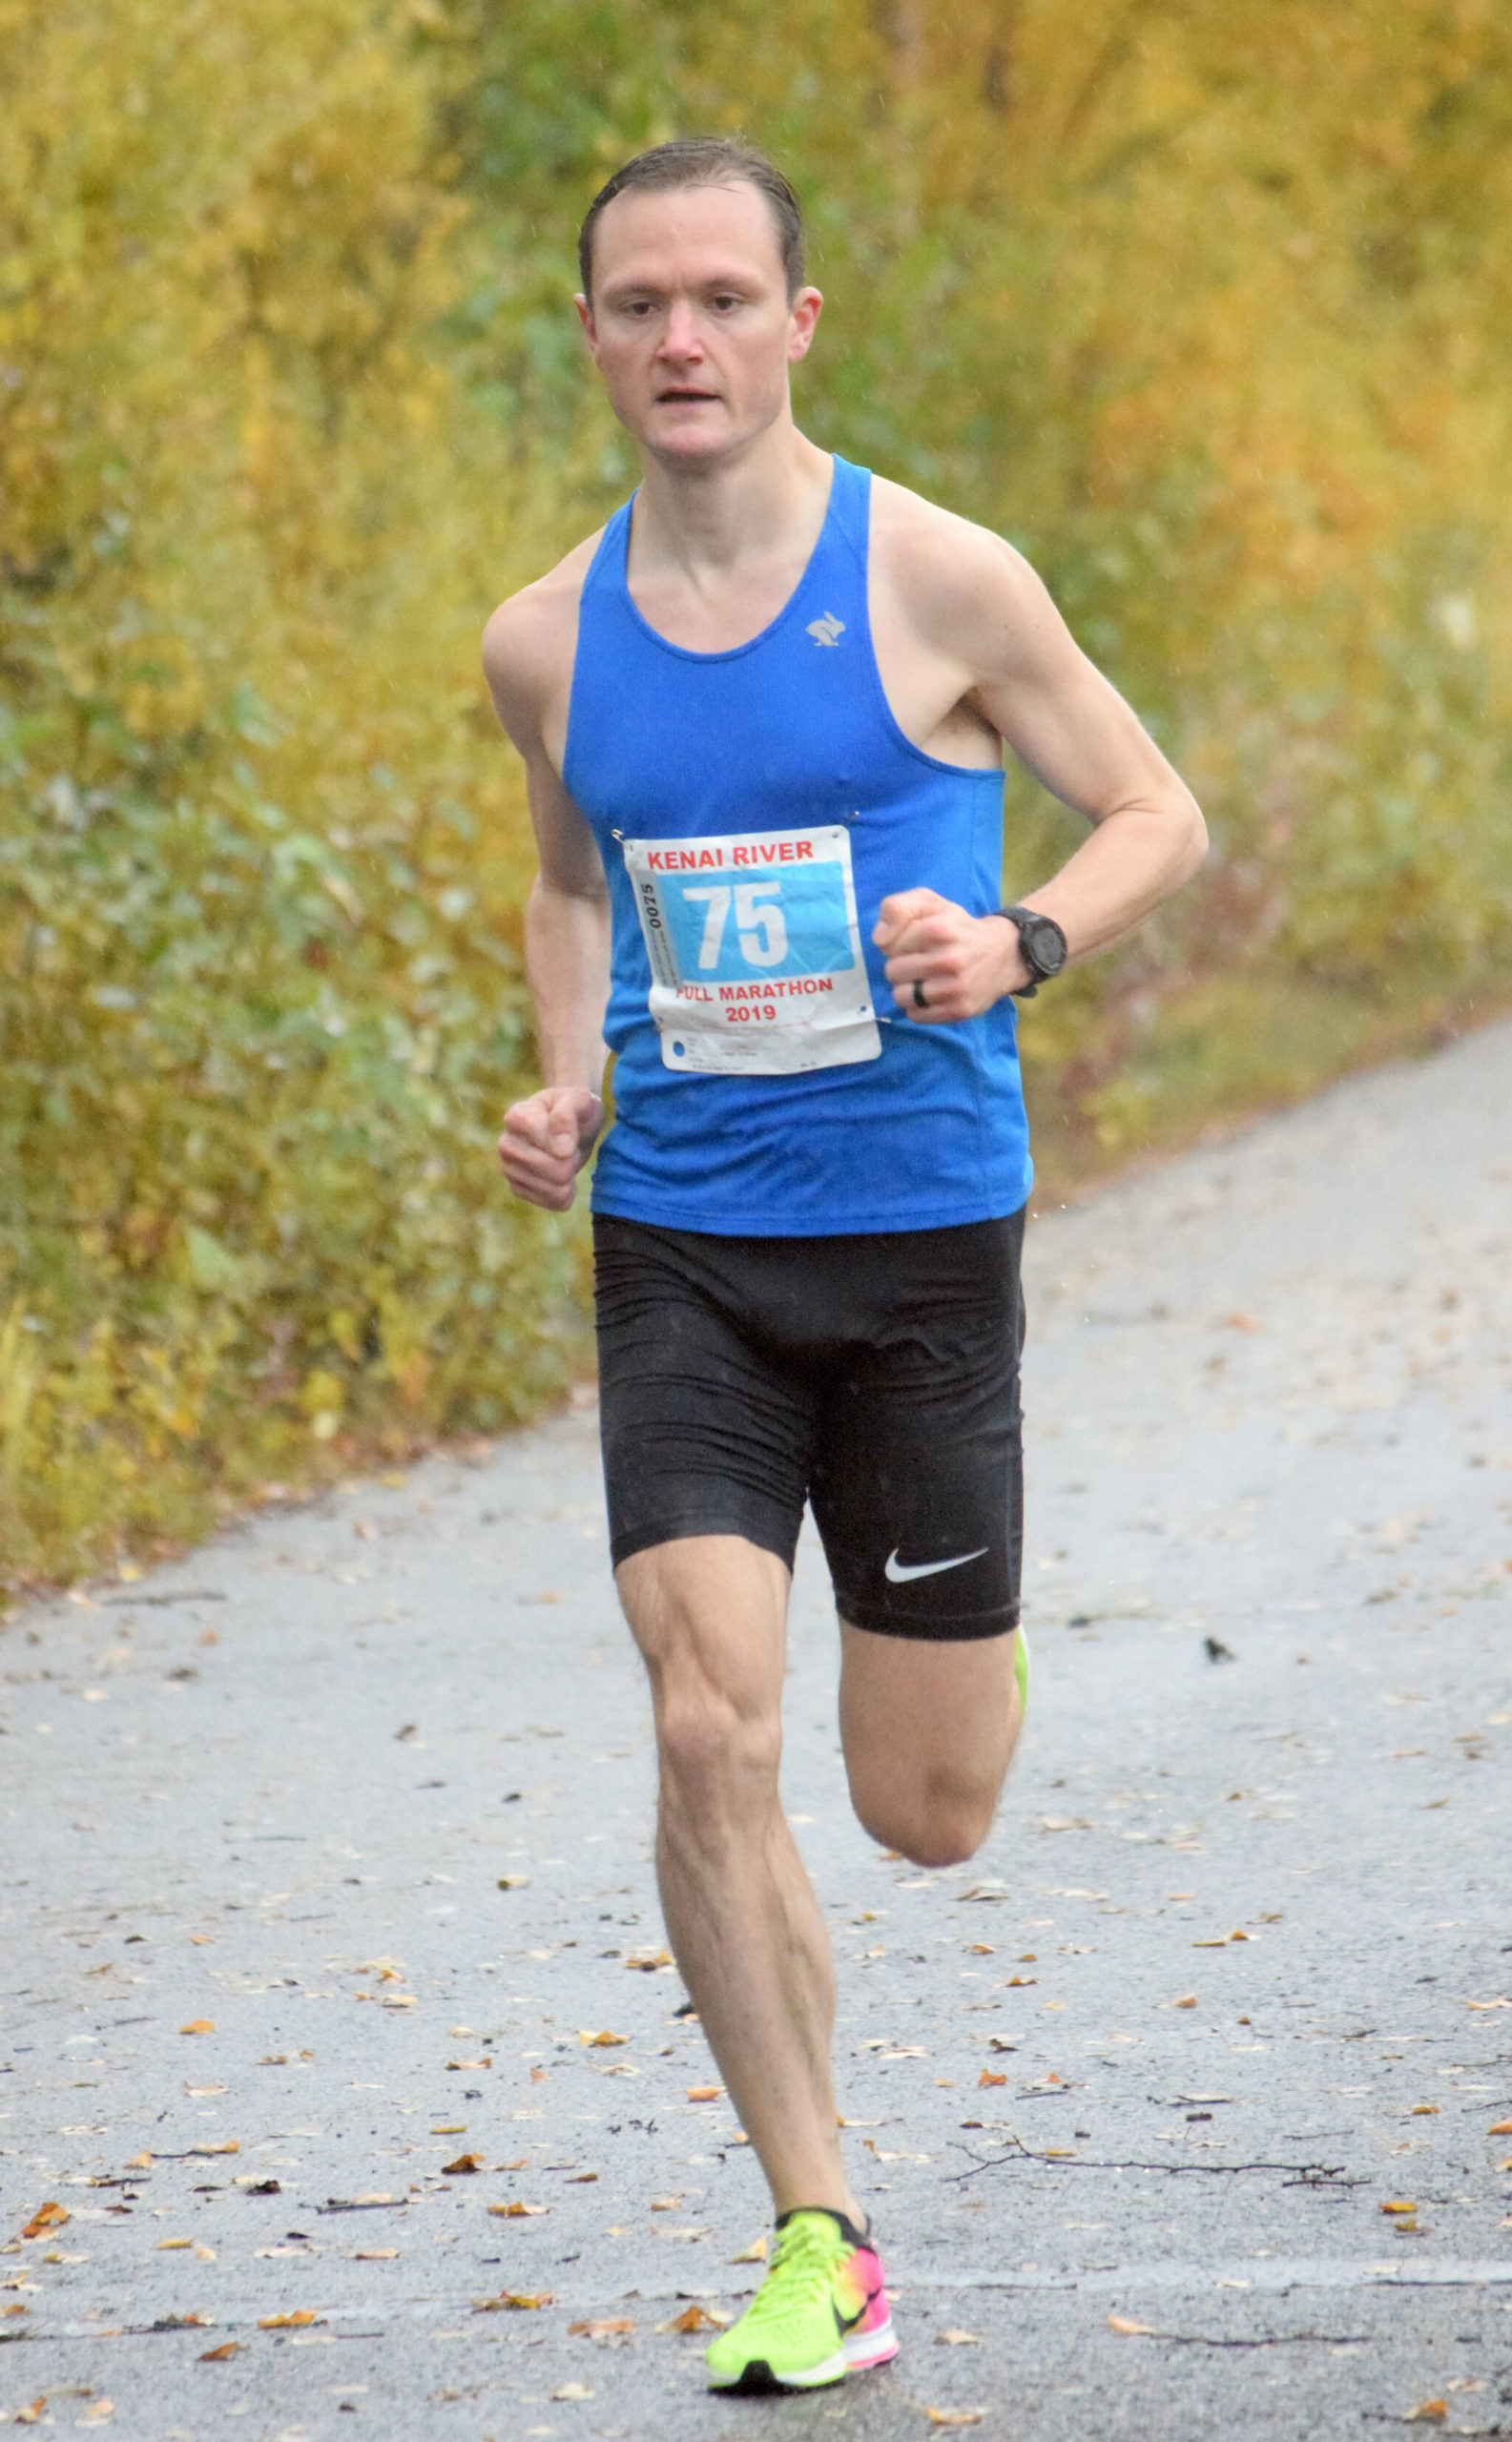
805	2257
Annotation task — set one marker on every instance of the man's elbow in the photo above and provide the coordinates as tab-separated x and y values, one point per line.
1191	839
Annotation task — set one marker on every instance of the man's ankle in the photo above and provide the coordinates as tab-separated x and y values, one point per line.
852	2217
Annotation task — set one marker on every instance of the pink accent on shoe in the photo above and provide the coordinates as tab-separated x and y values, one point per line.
874	2341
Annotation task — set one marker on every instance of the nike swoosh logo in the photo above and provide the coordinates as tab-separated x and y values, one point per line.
899	1573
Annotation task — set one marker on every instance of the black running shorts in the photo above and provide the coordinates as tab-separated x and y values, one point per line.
876	1375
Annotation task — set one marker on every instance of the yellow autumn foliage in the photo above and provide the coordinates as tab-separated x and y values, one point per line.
1207	311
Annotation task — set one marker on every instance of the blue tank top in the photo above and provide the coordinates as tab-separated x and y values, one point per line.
791	730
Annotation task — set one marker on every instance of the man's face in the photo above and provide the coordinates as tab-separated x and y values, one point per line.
690	324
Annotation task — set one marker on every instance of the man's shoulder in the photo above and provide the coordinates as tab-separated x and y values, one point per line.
530	642
942	568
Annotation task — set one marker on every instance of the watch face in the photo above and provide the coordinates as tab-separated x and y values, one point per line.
1044	944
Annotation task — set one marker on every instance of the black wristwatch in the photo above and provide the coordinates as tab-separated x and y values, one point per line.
1043	944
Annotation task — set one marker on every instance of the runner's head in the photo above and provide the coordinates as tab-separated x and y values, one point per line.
694	300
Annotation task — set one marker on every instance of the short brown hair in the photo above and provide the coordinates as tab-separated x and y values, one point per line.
704	161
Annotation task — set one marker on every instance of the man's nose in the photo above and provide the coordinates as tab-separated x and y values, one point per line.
681	338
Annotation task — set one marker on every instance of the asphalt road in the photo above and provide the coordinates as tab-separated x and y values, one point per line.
325	1852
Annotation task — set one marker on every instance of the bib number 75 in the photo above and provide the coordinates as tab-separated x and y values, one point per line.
760	929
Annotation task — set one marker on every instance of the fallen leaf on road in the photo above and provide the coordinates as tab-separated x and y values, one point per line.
514	1882
601	2330
295	2321
955	2415
518	2164
1429	2111
47	2217
198	2026
755	2253
1502	2128
993	2077
1427	2412
509	2300
214	2356
573	2392
375	2255
648	1962
665	2204
1188	2001
485	2063
1399	2205
1125	2324
399	2001
538	2077
32	2415
1501	2002
582	2179
958	2340
602	2040
704	2094
696	2318
463	2168
140	2163
516	2211
230	2146
98	2412
164	2246
1021	1979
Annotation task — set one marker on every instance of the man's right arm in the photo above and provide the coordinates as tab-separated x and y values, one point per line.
527	652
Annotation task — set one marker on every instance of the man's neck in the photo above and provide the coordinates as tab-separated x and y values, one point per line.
713	520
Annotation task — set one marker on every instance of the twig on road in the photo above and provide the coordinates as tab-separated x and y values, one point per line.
1329	2176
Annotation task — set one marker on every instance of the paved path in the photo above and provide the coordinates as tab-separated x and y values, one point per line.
361	1792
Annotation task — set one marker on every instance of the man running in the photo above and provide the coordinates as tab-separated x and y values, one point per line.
762	715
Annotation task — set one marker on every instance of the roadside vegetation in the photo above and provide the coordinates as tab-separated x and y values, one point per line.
1210	314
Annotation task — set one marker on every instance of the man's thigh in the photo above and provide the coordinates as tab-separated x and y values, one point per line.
709	1613
917	1481
706	1430
923	1712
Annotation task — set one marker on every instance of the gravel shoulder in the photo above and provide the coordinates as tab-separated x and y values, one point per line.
330	1932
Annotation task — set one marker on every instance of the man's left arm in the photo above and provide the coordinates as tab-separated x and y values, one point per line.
1027	676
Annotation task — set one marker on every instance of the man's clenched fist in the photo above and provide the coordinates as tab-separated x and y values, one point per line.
961	963
547	1139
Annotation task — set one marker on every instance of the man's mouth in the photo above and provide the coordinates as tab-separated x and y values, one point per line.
682	395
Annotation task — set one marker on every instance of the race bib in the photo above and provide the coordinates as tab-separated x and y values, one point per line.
755	955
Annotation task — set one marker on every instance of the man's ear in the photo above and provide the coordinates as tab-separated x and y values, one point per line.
806	308
585	315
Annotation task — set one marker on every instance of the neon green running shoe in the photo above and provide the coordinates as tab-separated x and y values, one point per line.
1021	1669
820	2313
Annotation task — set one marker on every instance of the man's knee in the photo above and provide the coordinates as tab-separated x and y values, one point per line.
937	1820
717	1757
